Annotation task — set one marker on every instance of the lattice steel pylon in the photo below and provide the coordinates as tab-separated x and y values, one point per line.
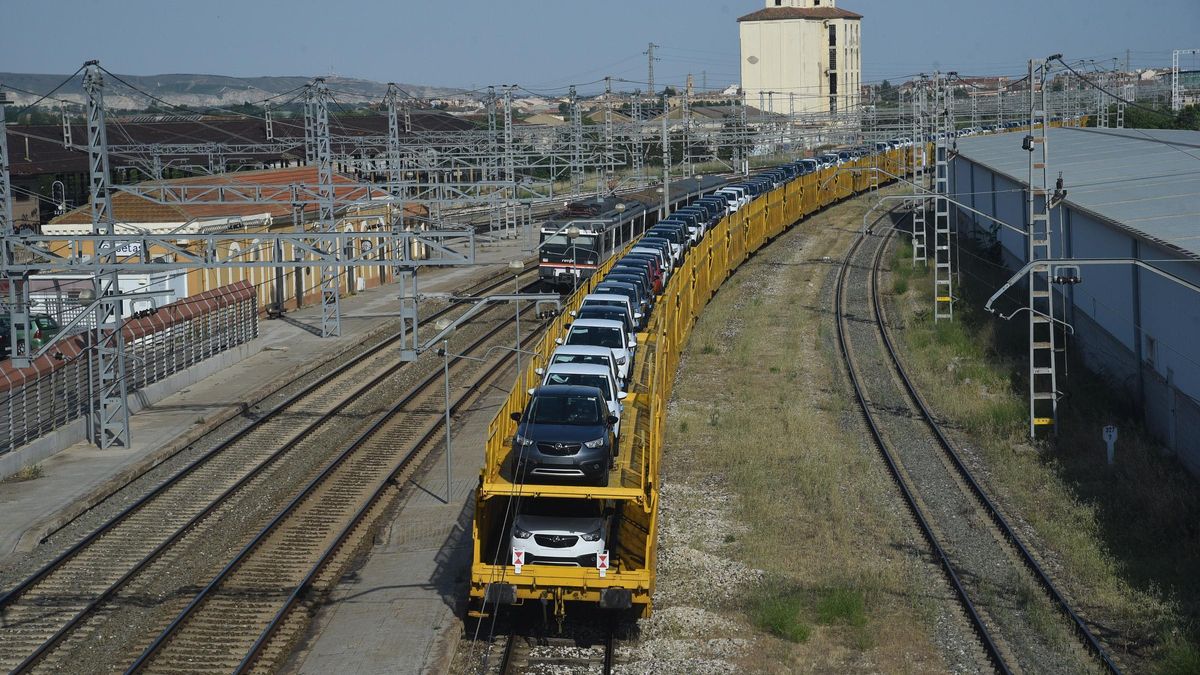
1127	93
610	168
685	114
919	229
1043	377
331	309
493	142
16	305
943	272
510	161
1176	86
110	406
576	143
639	160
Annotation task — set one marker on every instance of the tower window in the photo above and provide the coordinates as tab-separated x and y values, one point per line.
833	36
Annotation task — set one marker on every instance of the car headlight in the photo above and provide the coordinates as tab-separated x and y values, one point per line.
596	443
621	361
521	533
594	535
522	441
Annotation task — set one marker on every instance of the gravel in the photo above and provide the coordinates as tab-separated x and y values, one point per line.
1032	634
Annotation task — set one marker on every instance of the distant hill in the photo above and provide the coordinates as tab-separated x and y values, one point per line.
201	90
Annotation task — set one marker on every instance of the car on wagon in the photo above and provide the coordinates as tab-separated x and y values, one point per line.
564	434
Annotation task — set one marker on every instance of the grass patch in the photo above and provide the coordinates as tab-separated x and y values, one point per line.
780	615
845	606
26	473
708	349
1180	658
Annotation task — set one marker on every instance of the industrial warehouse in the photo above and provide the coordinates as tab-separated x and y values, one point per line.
758	340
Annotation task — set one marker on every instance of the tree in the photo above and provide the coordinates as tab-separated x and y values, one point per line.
669	91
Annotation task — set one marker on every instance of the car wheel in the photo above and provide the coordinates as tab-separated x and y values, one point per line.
603	482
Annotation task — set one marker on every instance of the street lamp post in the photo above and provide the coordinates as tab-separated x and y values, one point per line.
517	267
573	233
443	324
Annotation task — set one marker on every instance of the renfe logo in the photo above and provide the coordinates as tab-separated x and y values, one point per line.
518	559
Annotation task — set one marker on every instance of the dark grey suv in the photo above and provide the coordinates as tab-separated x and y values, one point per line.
565	434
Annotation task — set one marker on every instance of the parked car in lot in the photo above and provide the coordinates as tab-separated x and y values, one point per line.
44	328
564	433
560	531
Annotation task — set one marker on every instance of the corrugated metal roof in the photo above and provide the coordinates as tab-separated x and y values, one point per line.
1144	180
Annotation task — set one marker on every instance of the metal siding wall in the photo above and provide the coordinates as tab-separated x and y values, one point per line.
1010	208
1106	294
1171	315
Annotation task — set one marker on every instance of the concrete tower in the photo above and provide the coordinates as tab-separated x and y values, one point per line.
808	49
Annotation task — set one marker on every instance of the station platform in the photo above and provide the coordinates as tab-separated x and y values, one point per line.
82	475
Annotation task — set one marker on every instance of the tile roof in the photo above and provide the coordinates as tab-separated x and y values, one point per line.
780	13
38	149
1145	181
128	208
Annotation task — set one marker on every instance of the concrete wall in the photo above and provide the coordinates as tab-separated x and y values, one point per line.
1133	326
791	56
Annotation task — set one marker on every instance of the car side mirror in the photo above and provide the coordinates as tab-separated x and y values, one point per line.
622	395
530	391
558	341
572	313
516	416
539	371
637	315
612	419
567	326
633	344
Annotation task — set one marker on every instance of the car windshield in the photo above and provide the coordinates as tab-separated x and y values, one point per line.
560	507
599	336
572	410
560	244
608	313
45	323
593	359
598	381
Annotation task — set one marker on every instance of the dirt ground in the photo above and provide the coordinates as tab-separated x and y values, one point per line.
783	544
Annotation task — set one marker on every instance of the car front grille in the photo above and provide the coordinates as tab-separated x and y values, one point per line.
555	540
559	449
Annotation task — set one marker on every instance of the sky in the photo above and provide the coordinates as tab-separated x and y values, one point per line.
546	45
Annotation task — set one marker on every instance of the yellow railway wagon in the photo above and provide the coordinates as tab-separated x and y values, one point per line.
632	493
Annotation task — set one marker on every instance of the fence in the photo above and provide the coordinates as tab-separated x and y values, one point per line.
55	390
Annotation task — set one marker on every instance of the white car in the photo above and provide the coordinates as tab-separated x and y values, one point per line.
585	354
603	333
590	375
560	531
740	194
614	300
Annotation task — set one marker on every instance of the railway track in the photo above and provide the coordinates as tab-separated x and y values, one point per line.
521	654
242	620
56	606
1023	622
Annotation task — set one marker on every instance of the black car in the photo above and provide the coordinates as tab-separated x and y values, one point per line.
565	433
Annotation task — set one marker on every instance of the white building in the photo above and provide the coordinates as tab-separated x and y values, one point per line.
802	55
